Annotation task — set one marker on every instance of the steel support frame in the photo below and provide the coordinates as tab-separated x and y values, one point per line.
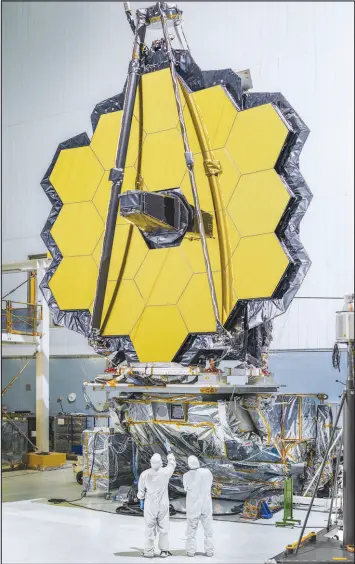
42	351
42	371
117	174
349	453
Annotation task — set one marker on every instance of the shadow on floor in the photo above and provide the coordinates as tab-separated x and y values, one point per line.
138	553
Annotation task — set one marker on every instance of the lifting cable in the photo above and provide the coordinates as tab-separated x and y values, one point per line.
19	286
135	510
190	167
17	375
59	500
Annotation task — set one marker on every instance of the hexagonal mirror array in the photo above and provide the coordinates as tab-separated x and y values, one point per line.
158	297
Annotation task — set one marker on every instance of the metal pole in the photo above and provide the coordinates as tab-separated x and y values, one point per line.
349	453
340	435
42	373
127	9
335	483
117	174
190	167
320	473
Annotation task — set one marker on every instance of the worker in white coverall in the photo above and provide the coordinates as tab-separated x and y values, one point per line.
197	484
153	493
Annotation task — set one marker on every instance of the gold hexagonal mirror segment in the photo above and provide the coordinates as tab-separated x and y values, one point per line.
160	296
259	262
77	229
74	283
159	333
266	195
76	175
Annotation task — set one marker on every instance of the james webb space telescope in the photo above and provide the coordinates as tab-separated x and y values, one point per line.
174	230
174	233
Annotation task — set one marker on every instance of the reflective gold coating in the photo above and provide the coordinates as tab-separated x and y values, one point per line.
158	297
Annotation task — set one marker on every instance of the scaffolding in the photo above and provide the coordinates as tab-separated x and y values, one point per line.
27	323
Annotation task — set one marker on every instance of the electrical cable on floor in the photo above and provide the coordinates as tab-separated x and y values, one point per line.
130	509
252	522
87	507
135	511
58	501
214	514
20	475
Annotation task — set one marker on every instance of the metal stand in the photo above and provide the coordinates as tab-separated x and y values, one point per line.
288	505
325	548
335	485
320	473
190	167
349	453
40	340
42	373
117	173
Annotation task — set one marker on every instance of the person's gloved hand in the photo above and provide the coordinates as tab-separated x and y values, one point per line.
167	446
141	504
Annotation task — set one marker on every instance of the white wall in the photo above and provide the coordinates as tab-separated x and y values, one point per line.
61	58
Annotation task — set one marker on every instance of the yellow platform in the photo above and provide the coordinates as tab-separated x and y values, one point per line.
42	461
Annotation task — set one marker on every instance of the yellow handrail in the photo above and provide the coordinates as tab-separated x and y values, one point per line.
11	316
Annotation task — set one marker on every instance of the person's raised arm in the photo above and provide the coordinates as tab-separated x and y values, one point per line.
170	467
171	464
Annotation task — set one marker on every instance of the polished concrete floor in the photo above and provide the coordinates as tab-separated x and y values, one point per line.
37	532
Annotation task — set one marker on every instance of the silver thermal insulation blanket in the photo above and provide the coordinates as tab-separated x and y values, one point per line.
13	444
107	460
316	455
250	444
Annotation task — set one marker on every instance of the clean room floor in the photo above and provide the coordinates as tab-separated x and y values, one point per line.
34	531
